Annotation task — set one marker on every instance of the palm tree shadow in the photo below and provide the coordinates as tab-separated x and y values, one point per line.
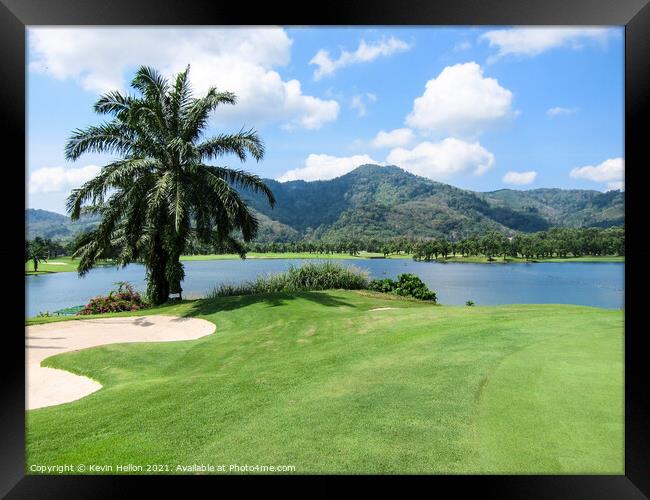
221	304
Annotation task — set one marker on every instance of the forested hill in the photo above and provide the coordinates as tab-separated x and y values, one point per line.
53	225
375	201
386	202
59	227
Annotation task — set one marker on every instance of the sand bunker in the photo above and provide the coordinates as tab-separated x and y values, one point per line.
49	386
383	308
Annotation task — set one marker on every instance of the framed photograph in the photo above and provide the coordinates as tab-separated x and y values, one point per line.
387	239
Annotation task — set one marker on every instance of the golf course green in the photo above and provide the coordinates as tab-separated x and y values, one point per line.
351	382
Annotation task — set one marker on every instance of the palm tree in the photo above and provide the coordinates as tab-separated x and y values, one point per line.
161	192
36	251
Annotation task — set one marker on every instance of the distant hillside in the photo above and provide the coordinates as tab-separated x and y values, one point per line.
55	226
272	230
384	202
562	207
59	227
388	201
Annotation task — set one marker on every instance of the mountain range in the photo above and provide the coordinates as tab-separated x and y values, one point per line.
386	201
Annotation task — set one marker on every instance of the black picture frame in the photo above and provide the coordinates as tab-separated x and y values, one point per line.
15	15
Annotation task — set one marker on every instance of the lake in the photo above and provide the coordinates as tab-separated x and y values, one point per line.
592	284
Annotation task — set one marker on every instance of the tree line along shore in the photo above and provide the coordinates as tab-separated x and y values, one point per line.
556	245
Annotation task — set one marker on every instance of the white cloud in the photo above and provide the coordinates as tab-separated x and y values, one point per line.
531	41
610	171
323	167
619	185
358	104
464	45
360	101
57	179
366	52
241	60
559	111
520	178
443	159
394	138
459	101
438	160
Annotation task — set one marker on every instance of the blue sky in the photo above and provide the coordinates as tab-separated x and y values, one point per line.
481	108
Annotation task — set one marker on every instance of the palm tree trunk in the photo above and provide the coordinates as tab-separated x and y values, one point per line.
175	273
157	286
157	283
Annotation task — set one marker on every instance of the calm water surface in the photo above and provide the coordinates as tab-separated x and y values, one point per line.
591	284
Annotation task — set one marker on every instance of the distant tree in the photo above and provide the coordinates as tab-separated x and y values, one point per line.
36	251
444	247
54	248
491	244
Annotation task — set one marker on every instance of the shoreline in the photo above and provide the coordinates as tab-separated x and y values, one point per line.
71	266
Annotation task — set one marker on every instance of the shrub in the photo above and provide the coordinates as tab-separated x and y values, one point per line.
407	285
469	303
125	298
310	276
326	276
385	286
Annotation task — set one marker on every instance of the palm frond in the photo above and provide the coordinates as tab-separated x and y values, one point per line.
243	179
113	103
112	137
150	82
179	99
239	216
199	111
242	143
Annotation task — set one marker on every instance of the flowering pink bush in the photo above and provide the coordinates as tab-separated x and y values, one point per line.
122	299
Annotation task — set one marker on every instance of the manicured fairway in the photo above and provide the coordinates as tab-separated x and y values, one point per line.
588	258
322	382
57	265
295	255
366	255
480	259
68	264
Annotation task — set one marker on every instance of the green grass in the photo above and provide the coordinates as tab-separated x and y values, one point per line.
319	381
70	264
593	258
366	255
294	255
57	265
481	259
